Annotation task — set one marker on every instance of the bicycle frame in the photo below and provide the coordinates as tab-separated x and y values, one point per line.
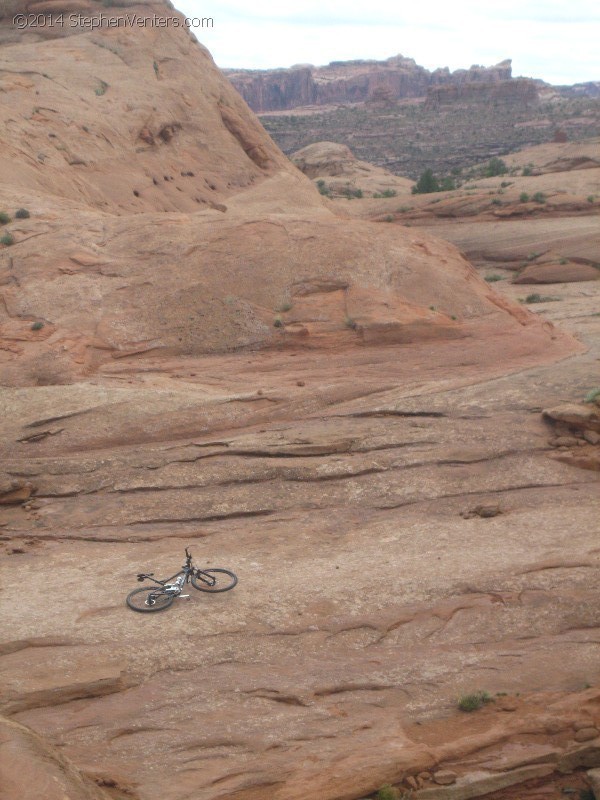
187	571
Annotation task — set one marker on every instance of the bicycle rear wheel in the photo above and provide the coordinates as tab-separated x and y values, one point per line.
149	598
214	580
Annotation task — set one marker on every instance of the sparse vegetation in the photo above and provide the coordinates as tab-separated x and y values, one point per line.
389	218
386	193
493	278
496	201
472	702
539	197
22	213
527	170
535	297
591	198
278	322
323	188
524	197
37	326
100	90
284	307
7	239
4	218
563	261
351	323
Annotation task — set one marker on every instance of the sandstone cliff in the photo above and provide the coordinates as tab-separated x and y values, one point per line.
351	82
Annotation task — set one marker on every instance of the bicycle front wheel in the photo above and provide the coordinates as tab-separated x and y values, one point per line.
149	598
214	580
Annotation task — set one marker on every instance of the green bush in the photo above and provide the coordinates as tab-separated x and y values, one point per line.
493	278
7	239
278	322
496	201
472	702
524	197
539	197
388	792
495	166
4	218
528	170
37	326
22	213
284	307
426	184
590	198
592	396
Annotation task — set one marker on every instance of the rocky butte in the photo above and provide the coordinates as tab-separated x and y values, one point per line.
197	349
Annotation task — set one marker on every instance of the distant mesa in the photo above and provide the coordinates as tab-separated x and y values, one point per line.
352	82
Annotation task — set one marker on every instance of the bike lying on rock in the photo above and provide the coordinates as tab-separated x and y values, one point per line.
159	597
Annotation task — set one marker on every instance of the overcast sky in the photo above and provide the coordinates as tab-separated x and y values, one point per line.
556	41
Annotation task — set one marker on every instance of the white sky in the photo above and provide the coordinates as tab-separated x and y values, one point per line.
554	40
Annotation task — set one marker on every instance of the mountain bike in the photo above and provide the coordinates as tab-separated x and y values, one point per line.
159	597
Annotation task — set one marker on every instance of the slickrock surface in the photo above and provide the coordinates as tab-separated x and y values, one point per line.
342	462
543	227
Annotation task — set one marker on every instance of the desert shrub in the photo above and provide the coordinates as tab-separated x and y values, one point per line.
527	170
524	197
278	322
539	197
389	218
495	166
472	702
426	184
22	213
538	298
496	201
592	396
388	792
323	188
37	326
4	218
284	307
351	323
7	239
590	198
493	278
